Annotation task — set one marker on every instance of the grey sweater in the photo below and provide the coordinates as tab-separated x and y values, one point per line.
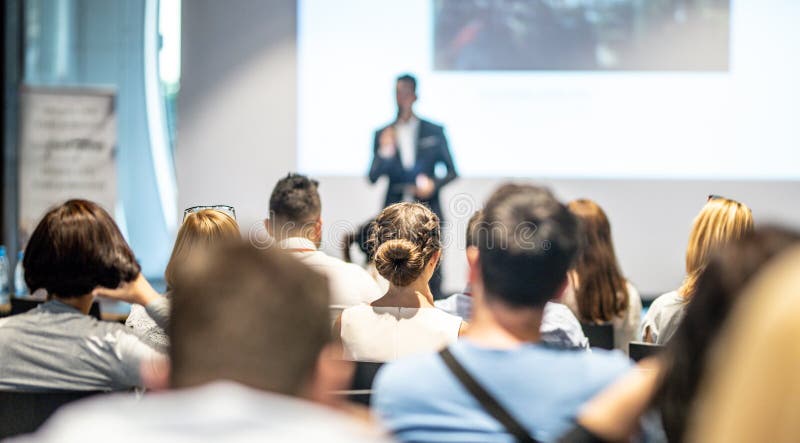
55	347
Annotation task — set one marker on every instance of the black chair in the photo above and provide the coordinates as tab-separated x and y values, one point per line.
639	350
361	388
600	336
25	412
20	306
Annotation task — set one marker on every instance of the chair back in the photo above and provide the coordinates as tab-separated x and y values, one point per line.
21	306
600	336
364	376
25	412
639	350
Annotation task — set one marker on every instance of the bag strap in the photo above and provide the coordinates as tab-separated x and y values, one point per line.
485	399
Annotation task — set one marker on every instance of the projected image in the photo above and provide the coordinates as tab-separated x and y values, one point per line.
581	35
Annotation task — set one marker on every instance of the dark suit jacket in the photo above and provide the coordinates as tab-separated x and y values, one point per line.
431	150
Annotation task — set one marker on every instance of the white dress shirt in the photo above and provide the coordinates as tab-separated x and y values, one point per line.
407	140
217	412
350	284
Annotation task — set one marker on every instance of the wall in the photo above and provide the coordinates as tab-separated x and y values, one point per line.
236	107
237	136
97	42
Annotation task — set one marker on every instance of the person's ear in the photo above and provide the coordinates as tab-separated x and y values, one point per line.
318	230
332	373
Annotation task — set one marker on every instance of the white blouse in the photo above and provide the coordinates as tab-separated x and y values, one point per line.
664	317
380	334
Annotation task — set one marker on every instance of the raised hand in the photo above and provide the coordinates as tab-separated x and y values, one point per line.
387	142
137	291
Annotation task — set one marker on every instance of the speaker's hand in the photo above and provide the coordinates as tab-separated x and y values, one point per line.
387	143
425	187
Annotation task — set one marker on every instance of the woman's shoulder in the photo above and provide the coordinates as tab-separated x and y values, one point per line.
631	288
137	317
666	299
664	307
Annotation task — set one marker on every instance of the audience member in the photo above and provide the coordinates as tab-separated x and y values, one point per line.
199	230
407	247
559	325
683	367
752	393
252	371
598	293
58	346
296	224
529	389
717	290
720	221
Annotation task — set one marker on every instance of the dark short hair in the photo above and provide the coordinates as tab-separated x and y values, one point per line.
472	228
295	198
76	247
408	78
263	318
527	240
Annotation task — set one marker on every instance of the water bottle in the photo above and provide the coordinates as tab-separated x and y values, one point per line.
5	288
20	288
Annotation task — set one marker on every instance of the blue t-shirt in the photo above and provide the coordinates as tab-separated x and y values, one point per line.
420	400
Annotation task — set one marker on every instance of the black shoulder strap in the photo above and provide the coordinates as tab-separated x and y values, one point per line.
485	399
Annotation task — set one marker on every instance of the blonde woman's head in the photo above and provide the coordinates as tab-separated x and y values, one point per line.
199	230
720	221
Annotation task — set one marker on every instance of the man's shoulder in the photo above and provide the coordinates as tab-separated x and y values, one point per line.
559	309
268	415
448	304
430	126
340	265
606	365
403	376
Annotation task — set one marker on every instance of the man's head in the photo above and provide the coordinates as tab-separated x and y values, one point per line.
256	317
472	228
295	209
405	93
526	241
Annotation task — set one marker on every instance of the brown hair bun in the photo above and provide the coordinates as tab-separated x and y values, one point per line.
400	261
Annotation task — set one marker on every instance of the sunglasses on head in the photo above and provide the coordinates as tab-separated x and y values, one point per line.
719	197
225	209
